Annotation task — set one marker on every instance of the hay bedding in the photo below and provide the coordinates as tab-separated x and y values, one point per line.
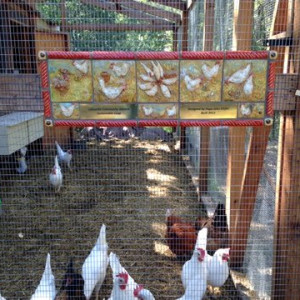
128	185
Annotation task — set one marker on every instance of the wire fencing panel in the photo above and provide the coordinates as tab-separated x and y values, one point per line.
126	178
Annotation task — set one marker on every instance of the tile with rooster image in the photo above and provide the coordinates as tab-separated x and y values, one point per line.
251	110
200	80
114	81
157	81
158	111
245	80
70	80
65	111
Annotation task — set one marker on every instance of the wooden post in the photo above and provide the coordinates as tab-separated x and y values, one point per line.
242	37
249	187
208	44
184	47
286	278
63	15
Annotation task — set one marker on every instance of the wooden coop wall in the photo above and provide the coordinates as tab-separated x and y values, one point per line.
112	165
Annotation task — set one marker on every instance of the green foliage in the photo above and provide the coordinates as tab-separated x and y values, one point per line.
87	40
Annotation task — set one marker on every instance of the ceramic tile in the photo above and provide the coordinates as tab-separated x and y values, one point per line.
200	80
157	81
244	80
114	81
158	111
70	80
66	110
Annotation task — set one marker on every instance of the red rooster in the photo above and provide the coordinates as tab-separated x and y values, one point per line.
180	236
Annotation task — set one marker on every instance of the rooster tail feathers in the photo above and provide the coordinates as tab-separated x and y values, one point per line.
102	237
115	264
201	239
220	218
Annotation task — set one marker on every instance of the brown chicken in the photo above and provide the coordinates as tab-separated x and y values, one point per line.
72	285
181	236
218	233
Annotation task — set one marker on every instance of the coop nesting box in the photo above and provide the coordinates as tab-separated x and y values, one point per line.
18	130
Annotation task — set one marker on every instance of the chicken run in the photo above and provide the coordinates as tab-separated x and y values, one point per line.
109	189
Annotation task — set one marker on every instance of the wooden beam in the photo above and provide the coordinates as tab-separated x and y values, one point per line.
63	14
184	47
286	259
242	38
208	33
131	13
178	4
151	10
119	27
249	187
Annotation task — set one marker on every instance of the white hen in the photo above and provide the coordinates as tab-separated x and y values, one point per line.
46	289
218	269
240	75
123	283
120	69
142	294
248	86
109	91
208	72
191	84
22	165
95	265
56	177
194	271
64	156
81	65
2	298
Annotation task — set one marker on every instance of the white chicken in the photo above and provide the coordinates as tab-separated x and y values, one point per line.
2	298
56	177
208	72
246	110
120	69
46	289
240	75
171	111
248	86
95	265
148	110
191	84
23	151
123	283
64	156
67	109
194	271
109	91
81	65
142	294
218	269
22	165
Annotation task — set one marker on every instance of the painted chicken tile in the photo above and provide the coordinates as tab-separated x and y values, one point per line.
114	81
157	81
251	110
70	80
200	80
244	80
158	111
66	110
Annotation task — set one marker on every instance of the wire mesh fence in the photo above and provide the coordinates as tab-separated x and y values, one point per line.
135	180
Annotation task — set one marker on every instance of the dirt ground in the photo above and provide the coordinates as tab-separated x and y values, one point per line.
128	185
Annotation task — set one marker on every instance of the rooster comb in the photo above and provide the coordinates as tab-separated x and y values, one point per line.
137	290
